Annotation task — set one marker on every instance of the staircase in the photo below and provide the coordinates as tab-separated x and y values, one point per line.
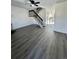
35	13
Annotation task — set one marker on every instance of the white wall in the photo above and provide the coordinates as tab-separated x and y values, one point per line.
19	17
61	17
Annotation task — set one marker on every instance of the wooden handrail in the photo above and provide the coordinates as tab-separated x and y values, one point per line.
37	15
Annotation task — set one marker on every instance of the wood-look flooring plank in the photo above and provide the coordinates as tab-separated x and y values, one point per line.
33	42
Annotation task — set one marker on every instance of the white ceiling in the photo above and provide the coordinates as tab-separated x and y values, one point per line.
19	0
44	3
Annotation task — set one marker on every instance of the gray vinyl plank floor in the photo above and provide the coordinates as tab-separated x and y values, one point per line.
32	42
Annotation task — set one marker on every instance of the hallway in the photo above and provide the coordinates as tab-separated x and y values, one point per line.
32	42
